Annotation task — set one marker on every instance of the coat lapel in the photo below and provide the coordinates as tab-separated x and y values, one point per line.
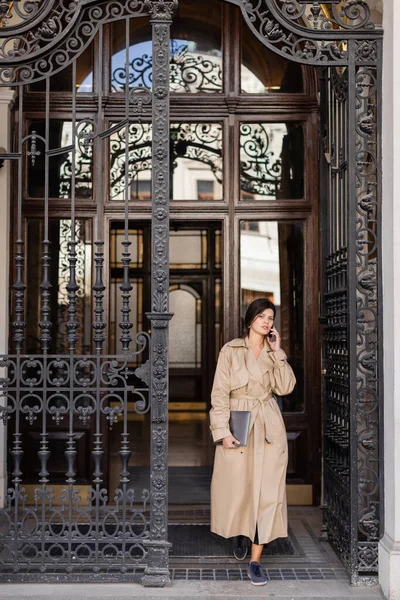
265	362
253	365
256	367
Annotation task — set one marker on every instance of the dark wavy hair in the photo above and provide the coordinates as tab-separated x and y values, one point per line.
255	308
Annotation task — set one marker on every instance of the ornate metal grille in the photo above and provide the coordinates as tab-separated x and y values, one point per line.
94	530
350	216
117	534
337	407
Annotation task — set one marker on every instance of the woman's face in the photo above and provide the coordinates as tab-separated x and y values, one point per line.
263	322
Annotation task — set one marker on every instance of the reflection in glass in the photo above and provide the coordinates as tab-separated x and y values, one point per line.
196	156
60	238
188	249
195	50
218	249
62	81
60	165
218	316
139	167
185	328
140	49
272	266
265	72
196	162
135	237
271	161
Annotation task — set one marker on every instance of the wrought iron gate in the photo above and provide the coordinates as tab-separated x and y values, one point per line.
112	536
109	531
350	252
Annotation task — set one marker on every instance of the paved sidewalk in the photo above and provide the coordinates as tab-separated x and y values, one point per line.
188	590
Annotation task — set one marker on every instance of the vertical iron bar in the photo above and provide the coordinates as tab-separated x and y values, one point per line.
126	286
126	325
324	173
98	288
72	326
99	324
72	286
19	286
19	326
331	151
157	572
45	325
45	286
352	311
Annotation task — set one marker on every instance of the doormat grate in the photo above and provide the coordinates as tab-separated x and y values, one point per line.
197	540
240	574
186	485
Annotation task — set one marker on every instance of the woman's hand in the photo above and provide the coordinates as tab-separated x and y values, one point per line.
230	442
276	343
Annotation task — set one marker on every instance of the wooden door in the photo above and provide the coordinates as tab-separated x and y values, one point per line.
279	261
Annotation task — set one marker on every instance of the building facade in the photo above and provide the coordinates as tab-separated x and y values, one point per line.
253	169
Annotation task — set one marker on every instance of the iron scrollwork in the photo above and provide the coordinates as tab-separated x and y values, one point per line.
30	54
337	397
189	72
107	531
351	407
326	15
45	48
282	25
367	260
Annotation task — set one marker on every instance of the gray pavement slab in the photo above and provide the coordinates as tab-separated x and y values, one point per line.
187	590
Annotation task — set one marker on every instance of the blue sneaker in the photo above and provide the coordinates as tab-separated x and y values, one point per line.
256	574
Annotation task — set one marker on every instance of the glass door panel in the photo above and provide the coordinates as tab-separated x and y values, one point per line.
272	266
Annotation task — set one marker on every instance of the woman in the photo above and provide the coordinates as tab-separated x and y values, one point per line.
248	488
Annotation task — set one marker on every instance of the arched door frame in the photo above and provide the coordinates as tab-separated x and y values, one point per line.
341	40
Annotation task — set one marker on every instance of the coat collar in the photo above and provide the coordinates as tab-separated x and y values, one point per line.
244	343
256	367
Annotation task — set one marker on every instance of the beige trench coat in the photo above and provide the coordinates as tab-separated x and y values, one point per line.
248	486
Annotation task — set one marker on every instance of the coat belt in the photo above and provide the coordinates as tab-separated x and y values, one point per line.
263	403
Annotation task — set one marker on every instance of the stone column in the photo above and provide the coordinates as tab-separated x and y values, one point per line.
389	547
6	101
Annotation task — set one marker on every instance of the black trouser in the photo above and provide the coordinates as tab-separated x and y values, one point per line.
256	537
240	537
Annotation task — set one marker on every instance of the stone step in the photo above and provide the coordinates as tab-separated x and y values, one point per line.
189	590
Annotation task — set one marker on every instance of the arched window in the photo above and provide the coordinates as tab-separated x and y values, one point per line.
195	50
264	72
185	329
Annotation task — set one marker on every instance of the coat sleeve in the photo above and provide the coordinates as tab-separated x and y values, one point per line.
220	412
282	376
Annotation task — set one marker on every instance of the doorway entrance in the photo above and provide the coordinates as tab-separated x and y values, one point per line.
274	264
149	112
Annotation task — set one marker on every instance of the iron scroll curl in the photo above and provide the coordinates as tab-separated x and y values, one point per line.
54	34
